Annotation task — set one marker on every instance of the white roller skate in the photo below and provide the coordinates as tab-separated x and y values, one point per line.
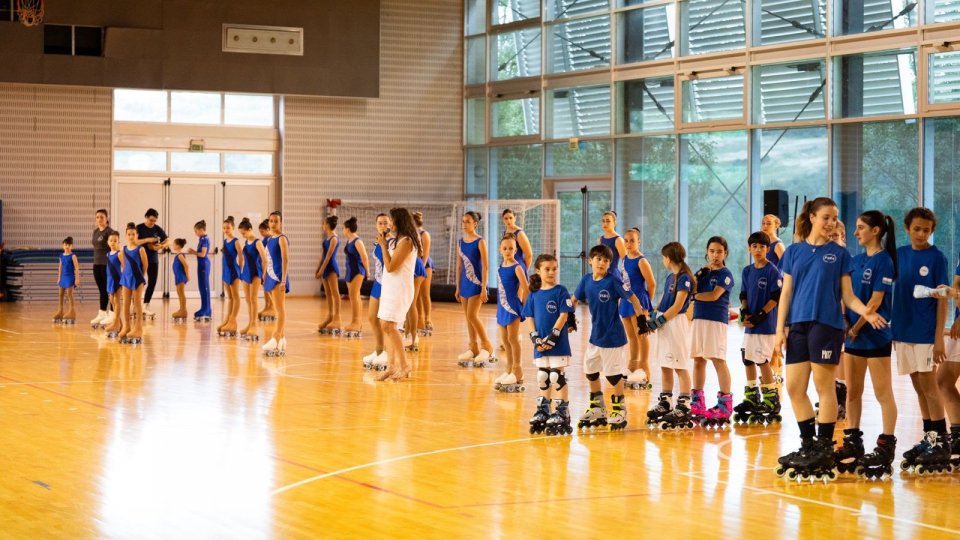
465	359
109	318
368	360
147	314
381	361
510	385
483	358
272	348
638	380
498	382
97	321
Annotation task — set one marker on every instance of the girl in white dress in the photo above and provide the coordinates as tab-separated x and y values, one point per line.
397	292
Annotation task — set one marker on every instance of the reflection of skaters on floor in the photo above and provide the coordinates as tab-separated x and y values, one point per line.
66	342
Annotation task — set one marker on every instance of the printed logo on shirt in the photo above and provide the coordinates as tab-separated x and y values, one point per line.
779	283
604	295
887	281
924	271
825	355
867	275
686	283
552	306
829	258
762	284
713	283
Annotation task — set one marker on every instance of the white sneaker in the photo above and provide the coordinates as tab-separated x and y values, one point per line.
101	315
466	355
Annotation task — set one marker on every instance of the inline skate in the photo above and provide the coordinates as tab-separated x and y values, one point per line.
617	419
841	389
538	423
718	416
596	414
850	454
769	411
680	418
638	380
879	463
815	461
559	421
698	405
749	407
934	458
660	410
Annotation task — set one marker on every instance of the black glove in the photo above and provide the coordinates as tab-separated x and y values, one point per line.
756	319
572	322
642	327
656	322
700	275
550	341
744	314
535	338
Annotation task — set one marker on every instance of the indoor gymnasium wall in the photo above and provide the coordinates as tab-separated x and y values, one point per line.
403	146
54	162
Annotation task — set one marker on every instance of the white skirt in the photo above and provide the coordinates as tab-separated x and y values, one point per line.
396	293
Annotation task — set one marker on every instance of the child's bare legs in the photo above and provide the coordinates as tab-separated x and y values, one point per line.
473	319
513	338
182	298
723	374
137	298
397	361
235	287
268	309
125	312
251	289
356	306
630	325
60	294
410	325
71	313
471	330
947	374
643	345
280	304
117	324
372	308
426	304
502	331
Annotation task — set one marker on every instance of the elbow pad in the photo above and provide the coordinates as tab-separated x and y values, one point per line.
743	297
775	296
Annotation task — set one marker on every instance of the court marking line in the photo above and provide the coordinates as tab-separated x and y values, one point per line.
68	396
724	444
854	511
9	331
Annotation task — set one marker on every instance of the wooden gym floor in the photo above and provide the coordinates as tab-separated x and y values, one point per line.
194	436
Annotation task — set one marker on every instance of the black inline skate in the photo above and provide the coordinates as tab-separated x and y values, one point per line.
679	418
596	414
769	411
618	414
815	461
841	401
538	423
933	459
879	463
749	406
850	454
661	409
559	421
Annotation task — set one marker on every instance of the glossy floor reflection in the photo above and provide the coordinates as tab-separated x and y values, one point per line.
194	436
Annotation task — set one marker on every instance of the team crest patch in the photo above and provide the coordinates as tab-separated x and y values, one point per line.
727	280
924	271
762	283
552	306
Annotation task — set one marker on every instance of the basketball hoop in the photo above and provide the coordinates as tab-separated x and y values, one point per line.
30	12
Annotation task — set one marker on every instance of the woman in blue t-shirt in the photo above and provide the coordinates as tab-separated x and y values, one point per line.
865	347
816	284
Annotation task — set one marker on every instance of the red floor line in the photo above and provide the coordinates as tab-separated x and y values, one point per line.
68	396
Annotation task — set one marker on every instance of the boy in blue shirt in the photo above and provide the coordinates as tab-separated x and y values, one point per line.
917	325
602	292
760	285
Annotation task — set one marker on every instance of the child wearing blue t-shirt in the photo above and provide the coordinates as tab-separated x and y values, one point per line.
602	289
760	286
874	272
918	334
673	340
549	309
711	317
816	284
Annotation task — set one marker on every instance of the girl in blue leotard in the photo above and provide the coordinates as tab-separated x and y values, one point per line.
424	302
355	272
328	272
205	313
68	277
524	250
251	275
113	325
276	280
181	276
511	293
638	274
132	280
379	356
232	268
471	288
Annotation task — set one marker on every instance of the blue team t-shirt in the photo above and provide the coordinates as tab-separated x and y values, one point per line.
670	289
956	274
719	309
915	319
606	329
873	273
545	306
816	272
759	284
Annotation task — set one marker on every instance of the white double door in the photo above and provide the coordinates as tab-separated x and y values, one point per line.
181	203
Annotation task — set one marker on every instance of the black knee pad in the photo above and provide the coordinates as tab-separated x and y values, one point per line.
557	379
614	379
593	376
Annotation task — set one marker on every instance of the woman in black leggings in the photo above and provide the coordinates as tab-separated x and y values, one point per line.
100	250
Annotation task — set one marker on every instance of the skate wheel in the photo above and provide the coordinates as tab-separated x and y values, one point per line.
904	466
780	471
792	474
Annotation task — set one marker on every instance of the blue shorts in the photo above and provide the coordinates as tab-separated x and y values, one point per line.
814	342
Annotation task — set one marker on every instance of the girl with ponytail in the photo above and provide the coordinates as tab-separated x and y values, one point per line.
471	276
816	286
232	268
867	348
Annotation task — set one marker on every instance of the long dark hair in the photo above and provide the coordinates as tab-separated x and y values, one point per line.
677	254
804	225
536	282
888	239
723	242
404	227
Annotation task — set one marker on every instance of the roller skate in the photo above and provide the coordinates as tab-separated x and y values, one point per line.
698	406
850	455
266	316
179	316
680	418
70	317
272	348
718	416
538	423
324	328
97	322
617	419
879	463
596	414
661	409
147	314
465	359
58	316
638	381
380	362
427	330
227	331
352	333
559	421
815	461
413	347
934	458
202	317
749	407
841	401
769	411
510	384
368	360
133	340
498	382
483	358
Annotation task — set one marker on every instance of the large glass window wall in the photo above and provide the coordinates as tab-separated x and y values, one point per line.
718	112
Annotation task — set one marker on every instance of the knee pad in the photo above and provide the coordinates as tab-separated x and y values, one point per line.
614	379
593	376
543	378
557	379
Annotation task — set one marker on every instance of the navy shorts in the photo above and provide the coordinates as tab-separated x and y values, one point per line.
883	351
814	342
